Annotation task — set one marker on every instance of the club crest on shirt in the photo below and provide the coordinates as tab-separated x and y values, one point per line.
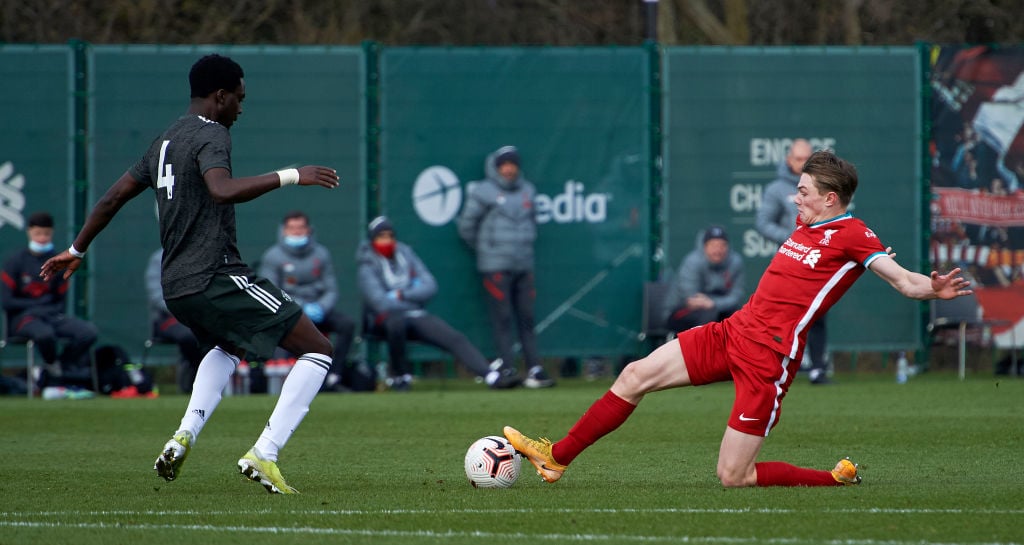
828	237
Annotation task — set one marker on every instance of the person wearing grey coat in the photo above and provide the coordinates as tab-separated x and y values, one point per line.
303	268
396	286
498	222
709	285
776	219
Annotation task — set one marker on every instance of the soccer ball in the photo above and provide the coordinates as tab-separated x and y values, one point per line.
491	462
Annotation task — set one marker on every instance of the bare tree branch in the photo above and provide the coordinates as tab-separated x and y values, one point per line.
707	22
511	22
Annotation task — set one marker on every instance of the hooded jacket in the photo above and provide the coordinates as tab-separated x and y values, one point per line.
404	277
305	273
776	218
498	221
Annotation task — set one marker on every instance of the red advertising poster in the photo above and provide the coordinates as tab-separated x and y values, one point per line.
977	174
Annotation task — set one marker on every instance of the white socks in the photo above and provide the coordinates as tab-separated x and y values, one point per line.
213	375
298	391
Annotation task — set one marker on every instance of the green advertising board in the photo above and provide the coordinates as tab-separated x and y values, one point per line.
730	115
303	106
36	144
579	117
408	128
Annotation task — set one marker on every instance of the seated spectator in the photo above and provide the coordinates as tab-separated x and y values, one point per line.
302	267
35	309
396	287
709	285
166	328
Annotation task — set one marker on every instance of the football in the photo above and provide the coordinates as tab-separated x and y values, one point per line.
491	462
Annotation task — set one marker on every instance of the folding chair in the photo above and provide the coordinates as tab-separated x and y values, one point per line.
654	325
30	352
963	313
30	356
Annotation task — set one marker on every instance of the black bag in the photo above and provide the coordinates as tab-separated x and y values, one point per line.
357	376
116	371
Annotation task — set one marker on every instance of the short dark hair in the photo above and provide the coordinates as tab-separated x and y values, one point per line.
295	215
212	73
40	219
832	173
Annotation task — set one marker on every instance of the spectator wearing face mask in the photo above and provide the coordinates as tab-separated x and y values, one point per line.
396	287
302	267
36	308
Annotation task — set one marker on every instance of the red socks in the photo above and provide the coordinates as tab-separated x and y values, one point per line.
610	411
783	474
602	418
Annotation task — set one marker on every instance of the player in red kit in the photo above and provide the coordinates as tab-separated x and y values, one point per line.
760	346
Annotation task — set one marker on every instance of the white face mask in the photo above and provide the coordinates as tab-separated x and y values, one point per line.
39	247
294	241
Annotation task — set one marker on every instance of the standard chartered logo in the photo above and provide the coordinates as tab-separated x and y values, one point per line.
437	197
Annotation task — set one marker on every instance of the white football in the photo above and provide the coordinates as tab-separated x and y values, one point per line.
491	462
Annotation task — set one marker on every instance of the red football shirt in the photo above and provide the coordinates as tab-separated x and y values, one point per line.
811	271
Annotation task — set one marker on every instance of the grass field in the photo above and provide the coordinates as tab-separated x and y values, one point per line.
939	459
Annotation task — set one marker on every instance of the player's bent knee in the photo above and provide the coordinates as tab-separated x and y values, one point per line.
632	381
735	478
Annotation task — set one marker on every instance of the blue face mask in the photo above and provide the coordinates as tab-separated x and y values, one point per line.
39	248
296	241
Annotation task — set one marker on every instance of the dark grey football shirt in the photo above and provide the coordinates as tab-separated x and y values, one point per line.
197	234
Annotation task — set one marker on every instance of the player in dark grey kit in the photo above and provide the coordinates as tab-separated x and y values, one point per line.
205	282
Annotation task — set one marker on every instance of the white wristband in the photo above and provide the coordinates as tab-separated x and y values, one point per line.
74	252
289	176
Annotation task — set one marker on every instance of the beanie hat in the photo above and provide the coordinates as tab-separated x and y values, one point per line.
507	154
713	232
40	219
379	225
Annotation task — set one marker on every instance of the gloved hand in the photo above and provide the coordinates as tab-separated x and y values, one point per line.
314	311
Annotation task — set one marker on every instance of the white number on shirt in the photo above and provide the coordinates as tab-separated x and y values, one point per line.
166	176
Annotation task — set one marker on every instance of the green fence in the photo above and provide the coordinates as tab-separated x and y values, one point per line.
730	114
610	136
137	91
37	142
579	118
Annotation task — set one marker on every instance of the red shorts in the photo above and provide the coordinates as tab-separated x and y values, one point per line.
715	353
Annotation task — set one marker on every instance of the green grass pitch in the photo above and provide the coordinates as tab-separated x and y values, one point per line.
939	459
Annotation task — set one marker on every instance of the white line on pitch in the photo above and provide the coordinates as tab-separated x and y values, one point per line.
444	535
654	510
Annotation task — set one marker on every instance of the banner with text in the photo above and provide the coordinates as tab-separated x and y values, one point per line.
977	151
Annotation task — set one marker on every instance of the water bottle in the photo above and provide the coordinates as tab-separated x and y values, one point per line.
902	368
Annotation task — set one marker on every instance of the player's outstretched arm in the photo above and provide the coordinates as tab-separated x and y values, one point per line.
123	190
227	190
918	286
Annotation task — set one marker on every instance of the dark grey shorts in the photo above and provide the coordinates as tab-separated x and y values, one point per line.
238	311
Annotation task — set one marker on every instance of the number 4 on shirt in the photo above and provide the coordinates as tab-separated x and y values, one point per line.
166	176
